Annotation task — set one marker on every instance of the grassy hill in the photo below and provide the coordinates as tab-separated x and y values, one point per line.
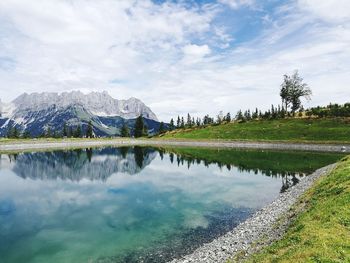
321	232
298	130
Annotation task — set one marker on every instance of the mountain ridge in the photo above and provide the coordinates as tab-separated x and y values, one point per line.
38	112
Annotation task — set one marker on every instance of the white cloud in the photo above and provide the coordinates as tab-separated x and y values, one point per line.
80	44
330	10
196	51
235	4
173	57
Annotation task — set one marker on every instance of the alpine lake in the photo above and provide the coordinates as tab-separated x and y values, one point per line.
135	204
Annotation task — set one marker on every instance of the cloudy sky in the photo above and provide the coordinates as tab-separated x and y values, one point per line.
177	56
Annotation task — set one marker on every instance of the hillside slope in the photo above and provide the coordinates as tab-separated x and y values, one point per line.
314	130
321	232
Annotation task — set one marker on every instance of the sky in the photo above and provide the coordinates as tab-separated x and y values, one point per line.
191	56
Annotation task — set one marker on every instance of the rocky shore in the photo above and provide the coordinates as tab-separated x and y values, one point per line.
264	227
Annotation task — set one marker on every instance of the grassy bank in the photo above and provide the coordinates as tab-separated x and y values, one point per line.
294	130
321	233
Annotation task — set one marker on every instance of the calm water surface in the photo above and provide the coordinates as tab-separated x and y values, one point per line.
134	204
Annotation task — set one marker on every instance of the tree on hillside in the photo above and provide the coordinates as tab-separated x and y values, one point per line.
70	132
65	130
228	117
26	134
89	130
239	116
198	122
161	127
15	133
77	133
189	120
255	114
247	115
182	122
292	90
172	126
178	123
48	133
9	131
139	127
125	132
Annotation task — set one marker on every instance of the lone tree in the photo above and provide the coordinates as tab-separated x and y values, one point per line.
139	127
89	130
292	90
125	132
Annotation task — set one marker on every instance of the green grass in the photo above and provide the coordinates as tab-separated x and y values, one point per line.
298	130
266	161
321	233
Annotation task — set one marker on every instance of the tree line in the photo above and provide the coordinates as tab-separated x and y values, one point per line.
140	129
292	90
67	132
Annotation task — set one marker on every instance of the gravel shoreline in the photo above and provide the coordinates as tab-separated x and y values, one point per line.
39	145
264	227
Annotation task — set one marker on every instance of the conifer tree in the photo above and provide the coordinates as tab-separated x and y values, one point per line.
89	130
48	133
125	132
198	122
182	122
71	132
15	133
65	131
178	123
228	117
139	127
256	114
172	126
26	134
239	116
189	120
161	127
9	132
77	133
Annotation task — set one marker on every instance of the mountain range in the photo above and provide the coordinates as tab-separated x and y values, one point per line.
35	113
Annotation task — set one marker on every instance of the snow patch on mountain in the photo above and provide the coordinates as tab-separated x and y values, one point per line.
99	104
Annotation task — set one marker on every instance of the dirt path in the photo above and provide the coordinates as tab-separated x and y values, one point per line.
42	145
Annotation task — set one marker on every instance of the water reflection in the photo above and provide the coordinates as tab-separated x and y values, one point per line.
99	164
288	178
75	165
134	204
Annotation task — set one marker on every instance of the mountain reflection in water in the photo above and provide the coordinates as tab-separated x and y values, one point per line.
99	164
134	204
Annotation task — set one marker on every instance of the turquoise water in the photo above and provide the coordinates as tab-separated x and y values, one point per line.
121	204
